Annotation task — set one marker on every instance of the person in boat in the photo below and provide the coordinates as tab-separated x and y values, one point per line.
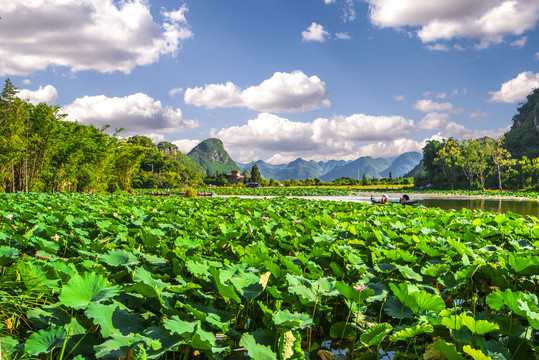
385	199
404	198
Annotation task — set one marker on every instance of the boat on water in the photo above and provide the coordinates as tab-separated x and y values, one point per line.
404	200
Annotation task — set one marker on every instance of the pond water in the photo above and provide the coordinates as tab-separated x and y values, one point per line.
518	206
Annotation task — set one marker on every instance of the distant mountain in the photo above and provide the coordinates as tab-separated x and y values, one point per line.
268	171
331	164
298	169
301	169
402	164
364	165
212	157
418	169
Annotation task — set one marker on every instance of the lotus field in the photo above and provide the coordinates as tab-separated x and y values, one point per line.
140	277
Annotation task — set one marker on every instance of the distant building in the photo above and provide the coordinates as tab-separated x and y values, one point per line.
235	177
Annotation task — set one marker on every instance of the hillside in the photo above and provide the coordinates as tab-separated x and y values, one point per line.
355	169
402	164
523	137
212	157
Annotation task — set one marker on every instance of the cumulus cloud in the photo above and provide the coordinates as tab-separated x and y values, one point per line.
335	137
438	47
175	92
315	32
486	20
186	145
434	121
430	106
137	114
399	98
47	94
516	89
282	93
102	35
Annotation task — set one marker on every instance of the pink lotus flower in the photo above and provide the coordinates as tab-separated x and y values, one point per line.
360	287
334	215
297	221
265	218
250	230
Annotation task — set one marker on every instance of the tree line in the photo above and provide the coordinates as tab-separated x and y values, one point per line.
41	152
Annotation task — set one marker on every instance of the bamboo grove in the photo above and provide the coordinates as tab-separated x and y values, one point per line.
41	152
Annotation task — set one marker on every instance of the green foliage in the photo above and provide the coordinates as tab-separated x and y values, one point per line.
150	277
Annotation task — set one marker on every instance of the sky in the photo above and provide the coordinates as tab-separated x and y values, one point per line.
276	80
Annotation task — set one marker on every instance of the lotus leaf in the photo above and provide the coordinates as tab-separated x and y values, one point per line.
374	335
256	351
44	341
80	291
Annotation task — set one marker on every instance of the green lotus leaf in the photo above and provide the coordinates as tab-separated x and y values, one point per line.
292	321
80	291
180	327
44	341
448	350
475	354
523	265
406	332
225	290
409	273
302	287
45	316
394	308
479	327
202	340
424	301
435	270
7	254
374	335
530	310
256	351
10	348
453	322
342	330
117	346
119	257
495	300
112	319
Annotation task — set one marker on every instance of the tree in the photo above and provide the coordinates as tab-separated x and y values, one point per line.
256	177
468	159
447	158
483	169
390	176
364	180
499	155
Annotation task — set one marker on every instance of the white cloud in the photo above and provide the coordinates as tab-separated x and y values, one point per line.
283	92
537	55
27	81
329	1
332	138
186	145
385	149
175	92
315	32
47	94
516	89
486	20
441	95
399	98
155	137
343	36
462	91
438	47
430	106
434	121
102	35
137	114
519	43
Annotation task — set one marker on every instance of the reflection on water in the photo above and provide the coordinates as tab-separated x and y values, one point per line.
523	207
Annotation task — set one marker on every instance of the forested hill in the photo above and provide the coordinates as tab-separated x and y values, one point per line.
523	137
212	157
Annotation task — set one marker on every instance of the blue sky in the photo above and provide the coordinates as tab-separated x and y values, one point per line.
278	79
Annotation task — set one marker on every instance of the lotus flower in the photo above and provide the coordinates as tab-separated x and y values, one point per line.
250	230
297	221
360	287
265	218
10	216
